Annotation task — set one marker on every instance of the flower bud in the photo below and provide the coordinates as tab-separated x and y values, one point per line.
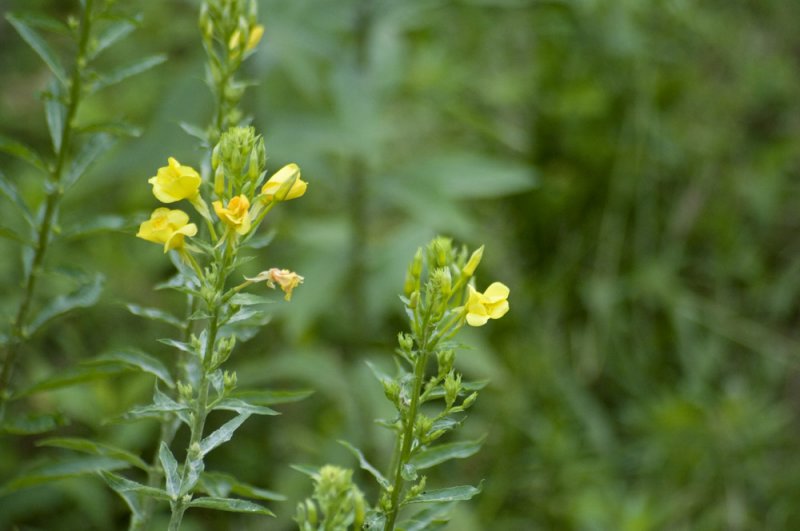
452	386
473	262
392	390
219	181
406	341
469	400
416	264
445	359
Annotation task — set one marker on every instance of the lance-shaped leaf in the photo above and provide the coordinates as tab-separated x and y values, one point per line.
22	152
31	424
85	296
69	378
269	397
92	148
195	131
364	464
9	190
435	455
231	505
94	448
221	485
55	112
180	345
435	517
39	45
241	406
222	434
62	469
170	466
191	475
9	234
308	470
466	387
113	34
249	299
123	73
133	492
155	314
161	404
95	225
114	127
461	493
137	360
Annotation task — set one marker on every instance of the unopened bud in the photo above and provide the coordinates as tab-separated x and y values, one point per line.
469	400
452	385
445	359
219	181
473	262
416	264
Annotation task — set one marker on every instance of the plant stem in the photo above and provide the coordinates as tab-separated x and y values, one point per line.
54	194
408	438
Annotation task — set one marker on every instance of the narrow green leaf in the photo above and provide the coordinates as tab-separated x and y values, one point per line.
231	505
170	466
466	387
462	493
180	345
138	360
114	128
362	461
222	434
121	484
241	406
195	131
32	424
154	314
22	152
39	45
94	448
69	378
9	234
191	475
95	146
9	190
162	404
122	73
249	299
95	225
271	398
44	22
434	517
63	468
308	470
444	452
110	36
220	485
85	296
55	113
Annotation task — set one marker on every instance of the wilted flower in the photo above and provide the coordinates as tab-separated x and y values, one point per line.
491	304
277	189
168	227
236	215
175	182
283	278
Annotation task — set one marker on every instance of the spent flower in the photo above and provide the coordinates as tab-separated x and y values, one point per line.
283	278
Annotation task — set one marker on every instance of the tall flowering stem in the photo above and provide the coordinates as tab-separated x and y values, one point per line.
439	299
241	196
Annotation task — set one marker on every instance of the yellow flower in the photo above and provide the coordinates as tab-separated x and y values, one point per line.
277	187
236	215
175	182
168	227
285	279
491	304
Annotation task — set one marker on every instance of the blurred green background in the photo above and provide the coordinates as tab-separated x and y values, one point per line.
632	168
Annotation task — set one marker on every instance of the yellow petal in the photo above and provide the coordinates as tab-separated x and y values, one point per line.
496	292
498	310
474	319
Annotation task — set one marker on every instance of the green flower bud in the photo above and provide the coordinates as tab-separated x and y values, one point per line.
416	264
473	262
452	386
469	400
445	360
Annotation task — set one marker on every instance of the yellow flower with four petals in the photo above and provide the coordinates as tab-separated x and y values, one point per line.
236	215
168	227
175	182
491	304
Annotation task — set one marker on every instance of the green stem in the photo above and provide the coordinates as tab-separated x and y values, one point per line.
408	438
54	194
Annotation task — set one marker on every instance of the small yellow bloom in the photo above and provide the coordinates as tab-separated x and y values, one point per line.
491	304
256	32
277	189
168	227
283	278
175	182
236	215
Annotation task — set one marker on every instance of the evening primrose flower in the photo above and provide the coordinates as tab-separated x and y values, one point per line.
277	187
283	278
167	226
175	182
491	304
236	215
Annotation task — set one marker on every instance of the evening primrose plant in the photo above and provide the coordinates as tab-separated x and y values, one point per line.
76	143
439	298
229	310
